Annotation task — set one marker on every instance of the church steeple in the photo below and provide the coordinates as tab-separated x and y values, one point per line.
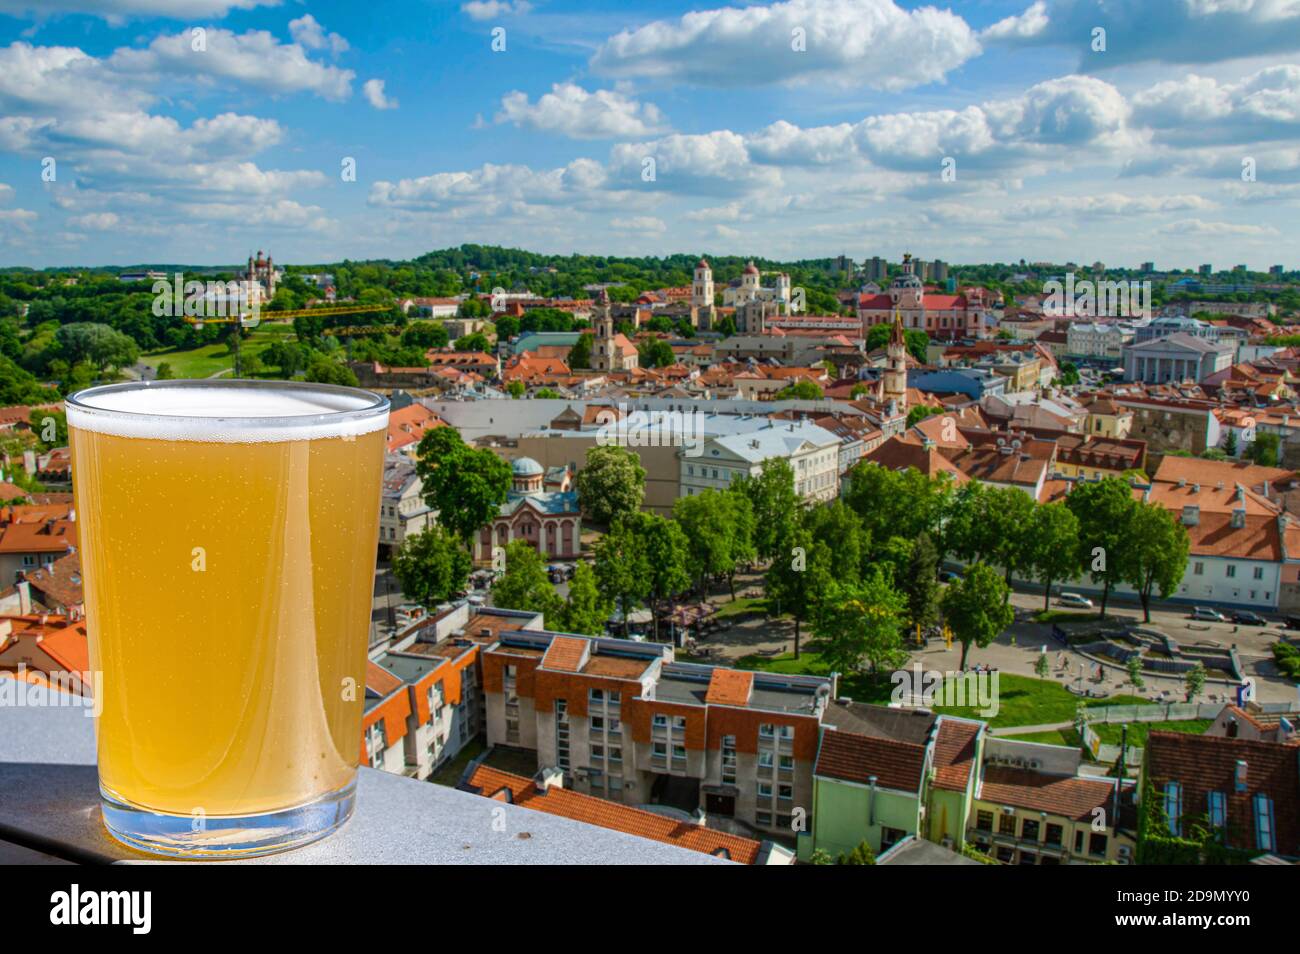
895	377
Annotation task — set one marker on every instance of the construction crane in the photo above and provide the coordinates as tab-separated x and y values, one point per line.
251	319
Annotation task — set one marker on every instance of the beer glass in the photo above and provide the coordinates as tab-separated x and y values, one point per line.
228	532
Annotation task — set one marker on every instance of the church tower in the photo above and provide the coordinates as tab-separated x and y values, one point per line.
702	287
895	377
602	323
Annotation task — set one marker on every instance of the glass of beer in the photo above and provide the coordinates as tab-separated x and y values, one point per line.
228	532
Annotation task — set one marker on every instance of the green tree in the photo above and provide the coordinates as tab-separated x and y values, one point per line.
477	341
861	624
976	608
622	572
580	353
1042	667
287	356
611	483
1194	681
1053	546
431	566
324	371
1008	518
516	389
1155	557
1134	667
586	609
803	390
465	485
920	412
1264	449
1230	444
425	335
655	353
861	855
525	585
921	582
897	503
718	527
775	504
1105	510
164	371
666	556
798	576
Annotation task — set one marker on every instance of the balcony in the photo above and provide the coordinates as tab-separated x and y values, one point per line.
49	811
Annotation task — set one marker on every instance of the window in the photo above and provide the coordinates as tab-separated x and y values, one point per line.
1006	824
1029	829
1097	844
785	792
983	821
679	723
660	750
1218	808
764	789
766	731
661	722
766	759
1264	822
1259	573
1199	569
597	696
598	724
1174	807
1054	834
889	837
1232	570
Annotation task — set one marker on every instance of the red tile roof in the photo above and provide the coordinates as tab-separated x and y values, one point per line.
1075	798
566	653
503	786
380	679
954	754
729	687
851	757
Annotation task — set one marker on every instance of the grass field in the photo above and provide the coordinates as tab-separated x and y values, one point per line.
210	359
1110	733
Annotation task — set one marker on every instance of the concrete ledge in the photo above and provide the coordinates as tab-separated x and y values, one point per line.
49	803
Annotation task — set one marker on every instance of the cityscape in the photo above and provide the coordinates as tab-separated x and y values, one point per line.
808	494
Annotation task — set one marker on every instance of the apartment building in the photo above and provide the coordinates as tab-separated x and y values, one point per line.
621	720
812	452
402	510
1244	790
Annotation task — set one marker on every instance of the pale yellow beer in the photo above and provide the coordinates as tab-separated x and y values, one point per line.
228	535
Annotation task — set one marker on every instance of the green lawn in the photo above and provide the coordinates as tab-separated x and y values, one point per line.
859	687
1026	700
1022	700
450	773
741	606
1110	733
209	359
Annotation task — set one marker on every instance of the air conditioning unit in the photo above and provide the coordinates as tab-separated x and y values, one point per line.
1008	810
1123	851
1035	764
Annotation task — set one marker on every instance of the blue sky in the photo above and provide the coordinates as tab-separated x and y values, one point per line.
197	130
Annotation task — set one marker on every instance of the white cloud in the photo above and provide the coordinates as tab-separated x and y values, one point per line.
307	32
95	221
374	92
1171	31
1022	26
492	9
20	219
1199	227
255	58
639	223
493	188
873	43
784	143
570	110
715	163
1199	109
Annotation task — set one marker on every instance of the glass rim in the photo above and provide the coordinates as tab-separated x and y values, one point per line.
378	404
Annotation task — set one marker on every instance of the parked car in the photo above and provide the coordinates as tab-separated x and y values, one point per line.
1074	599
948	576
1293	622
1247	618
1208	615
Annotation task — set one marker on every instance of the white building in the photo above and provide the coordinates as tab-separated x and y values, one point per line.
812	452
402	510
1086	339
750	288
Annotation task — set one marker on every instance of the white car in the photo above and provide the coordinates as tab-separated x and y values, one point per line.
1074	599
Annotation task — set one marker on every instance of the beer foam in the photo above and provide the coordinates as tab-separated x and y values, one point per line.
215	414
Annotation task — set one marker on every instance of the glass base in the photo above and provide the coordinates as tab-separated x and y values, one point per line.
226	836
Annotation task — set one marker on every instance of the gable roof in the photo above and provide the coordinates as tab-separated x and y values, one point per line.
515	789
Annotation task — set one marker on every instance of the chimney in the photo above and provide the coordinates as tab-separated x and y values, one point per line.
1239	776
871	804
